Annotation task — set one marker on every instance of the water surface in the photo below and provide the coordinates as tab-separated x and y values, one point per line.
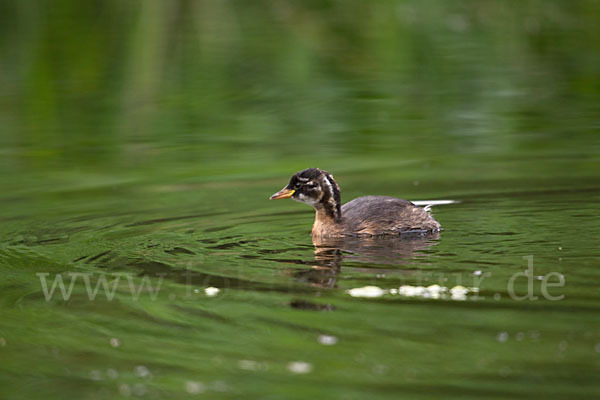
146	153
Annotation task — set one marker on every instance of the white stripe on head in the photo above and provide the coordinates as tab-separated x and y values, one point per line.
333	200
329	186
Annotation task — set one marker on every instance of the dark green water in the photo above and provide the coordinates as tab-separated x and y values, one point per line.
140	142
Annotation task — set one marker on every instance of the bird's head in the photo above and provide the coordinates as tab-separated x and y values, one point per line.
312	186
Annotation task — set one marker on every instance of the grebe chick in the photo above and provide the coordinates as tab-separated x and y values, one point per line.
364	216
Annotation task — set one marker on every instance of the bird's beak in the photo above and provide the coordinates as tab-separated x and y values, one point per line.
284	193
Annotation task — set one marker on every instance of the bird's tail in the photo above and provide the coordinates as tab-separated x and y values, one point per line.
427	204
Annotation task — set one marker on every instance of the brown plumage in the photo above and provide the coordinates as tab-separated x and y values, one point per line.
364	216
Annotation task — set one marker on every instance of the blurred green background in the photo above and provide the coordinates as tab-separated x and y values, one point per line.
146	136
262	87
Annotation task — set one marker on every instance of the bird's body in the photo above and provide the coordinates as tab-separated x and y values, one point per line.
380	215
363	216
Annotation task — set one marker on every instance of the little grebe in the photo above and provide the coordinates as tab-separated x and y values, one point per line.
368	216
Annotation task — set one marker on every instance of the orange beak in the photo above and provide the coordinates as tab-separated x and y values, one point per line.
284	193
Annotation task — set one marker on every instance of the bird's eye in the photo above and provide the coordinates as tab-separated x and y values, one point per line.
297	185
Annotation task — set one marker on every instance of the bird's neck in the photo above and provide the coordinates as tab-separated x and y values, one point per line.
328	217
329	209
328	220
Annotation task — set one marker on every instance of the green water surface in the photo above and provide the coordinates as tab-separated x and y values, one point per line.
140	142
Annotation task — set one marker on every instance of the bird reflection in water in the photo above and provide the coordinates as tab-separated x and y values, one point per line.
331	252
